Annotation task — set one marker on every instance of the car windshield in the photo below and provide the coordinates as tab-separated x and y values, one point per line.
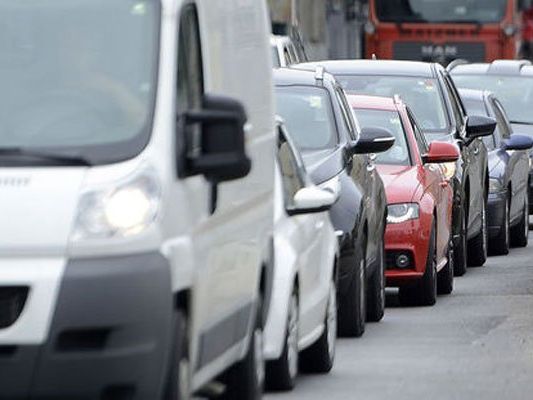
308	116
78	76
390	120
421	94
514	92
428	11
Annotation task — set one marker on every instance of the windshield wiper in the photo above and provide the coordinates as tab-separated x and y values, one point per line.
54	158
521	122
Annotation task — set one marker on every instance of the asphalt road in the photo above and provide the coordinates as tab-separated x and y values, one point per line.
476	343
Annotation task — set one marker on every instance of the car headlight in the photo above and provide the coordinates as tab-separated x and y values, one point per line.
495	185
398	213
332	185
449	169
124	210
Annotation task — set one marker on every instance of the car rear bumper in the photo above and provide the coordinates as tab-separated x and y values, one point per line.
109	337
496	213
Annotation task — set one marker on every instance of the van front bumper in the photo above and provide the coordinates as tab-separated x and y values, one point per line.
109	336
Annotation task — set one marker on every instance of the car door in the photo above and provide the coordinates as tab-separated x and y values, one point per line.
307	238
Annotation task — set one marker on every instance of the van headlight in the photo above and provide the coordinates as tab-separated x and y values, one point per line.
124	210
398	213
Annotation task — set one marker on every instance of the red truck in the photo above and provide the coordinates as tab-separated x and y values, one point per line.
443	30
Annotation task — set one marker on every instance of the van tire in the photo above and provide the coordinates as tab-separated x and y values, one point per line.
319	358
178	380
245	380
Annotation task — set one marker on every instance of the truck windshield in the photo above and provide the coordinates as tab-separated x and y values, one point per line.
434	11
78	76
421	94
514	92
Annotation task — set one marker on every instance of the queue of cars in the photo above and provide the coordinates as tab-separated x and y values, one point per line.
164	235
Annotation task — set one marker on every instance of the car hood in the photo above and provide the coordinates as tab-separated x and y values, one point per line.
401	182
323	165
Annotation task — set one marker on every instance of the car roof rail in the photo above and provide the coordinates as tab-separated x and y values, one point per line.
455	63
319	75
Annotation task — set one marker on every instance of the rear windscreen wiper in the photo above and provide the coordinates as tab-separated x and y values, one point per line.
54	158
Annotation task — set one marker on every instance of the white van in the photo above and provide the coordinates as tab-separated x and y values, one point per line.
133	263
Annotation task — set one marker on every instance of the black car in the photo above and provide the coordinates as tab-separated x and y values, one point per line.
429	91
508	206
512	83
316	112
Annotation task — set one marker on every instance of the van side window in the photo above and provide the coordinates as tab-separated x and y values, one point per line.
190	83
290	173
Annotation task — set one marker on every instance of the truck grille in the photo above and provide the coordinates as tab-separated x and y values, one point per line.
445	53
12	300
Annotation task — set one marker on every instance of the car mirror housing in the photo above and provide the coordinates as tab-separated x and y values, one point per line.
373	140
441	152
478	126
517	142
311	199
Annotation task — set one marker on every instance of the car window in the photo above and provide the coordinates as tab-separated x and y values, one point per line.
455	103
421	142
308	115
501	115
478	107
398	154
348	117
291	173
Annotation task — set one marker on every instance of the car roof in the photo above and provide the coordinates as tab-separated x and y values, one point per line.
292	77
498	67
374	67
372	102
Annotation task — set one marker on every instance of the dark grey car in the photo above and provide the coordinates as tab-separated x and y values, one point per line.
508	211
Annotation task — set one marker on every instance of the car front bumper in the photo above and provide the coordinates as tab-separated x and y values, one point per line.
109	336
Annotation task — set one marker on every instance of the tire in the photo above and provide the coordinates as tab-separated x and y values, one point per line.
520	232
352	306
178	381
319	358
281	373
245	380
445	275
375	293
477	247
459	253
424	293
500	244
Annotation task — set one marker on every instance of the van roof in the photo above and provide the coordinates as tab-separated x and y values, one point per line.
373	67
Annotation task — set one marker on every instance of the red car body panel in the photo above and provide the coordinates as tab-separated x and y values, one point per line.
424	184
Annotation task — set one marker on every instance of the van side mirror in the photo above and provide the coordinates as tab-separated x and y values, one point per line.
217	132
478	126
441	152
372	140
517	142
311	199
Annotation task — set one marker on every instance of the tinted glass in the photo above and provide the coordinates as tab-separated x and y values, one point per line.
441	11
515	93
308	116
77	76
421	94
390	120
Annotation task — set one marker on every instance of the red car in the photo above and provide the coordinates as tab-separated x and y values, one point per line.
418	235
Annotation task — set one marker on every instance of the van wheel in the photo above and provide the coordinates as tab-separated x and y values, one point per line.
281	373
178	381
424	293
477	247
519	233
445	275
245	380
500	244
320	356
459	253
376	289
352	306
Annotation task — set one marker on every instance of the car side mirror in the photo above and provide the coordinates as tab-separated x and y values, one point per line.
478	126
441	152
517	142
311	199
218	130
372	140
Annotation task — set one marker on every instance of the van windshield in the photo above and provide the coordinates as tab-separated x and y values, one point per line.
431	11
77	77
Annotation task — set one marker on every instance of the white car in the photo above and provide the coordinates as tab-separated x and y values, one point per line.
303	312
286	52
